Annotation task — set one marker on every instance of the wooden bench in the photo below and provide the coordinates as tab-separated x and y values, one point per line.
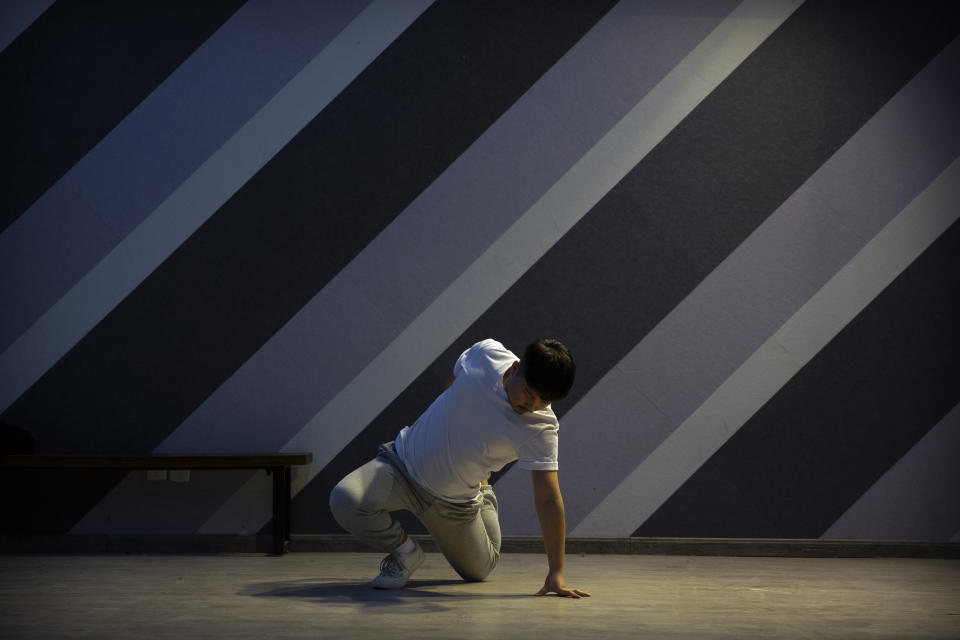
276	464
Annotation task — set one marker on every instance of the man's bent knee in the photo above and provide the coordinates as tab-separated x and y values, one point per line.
343	503
478	573
475	575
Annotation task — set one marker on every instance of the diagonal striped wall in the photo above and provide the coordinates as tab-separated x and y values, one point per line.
278	232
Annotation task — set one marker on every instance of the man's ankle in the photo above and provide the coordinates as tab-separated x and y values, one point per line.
407	546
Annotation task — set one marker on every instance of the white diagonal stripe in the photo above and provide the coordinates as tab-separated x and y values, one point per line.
799	340
199	197
513	253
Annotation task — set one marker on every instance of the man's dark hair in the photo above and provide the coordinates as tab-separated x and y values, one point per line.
548	368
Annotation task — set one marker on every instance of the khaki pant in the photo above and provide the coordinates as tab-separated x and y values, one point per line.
468	534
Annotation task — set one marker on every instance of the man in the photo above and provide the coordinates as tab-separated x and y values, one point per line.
495	409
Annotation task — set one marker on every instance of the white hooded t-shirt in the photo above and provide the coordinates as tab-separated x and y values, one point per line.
470	430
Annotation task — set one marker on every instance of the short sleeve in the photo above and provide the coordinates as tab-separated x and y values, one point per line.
479	356
540	452
460	364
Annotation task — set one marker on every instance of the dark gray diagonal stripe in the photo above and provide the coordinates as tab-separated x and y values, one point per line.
371	305
690	378
16	16
837	426
169	137
76	72
690	202
917	498
292	227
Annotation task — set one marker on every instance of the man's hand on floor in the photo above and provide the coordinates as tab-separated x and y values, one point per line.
556	584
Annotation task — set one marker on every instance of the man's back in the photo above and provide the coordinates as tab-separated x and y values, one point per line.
471	429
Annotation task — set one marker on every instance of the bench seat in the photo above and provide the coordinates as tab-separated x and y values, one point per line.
276	464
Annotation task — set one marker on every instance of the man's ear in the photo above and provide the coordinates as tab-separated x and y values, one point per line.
510	371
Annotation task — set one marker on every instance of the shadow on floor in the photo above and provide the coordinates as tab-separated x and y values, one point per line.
416	591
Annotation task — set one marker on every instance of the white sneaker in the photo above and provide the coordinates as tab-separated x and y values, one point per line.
396	569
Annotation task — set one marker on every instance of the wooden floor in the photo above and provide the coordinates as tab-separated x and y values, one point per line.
325	595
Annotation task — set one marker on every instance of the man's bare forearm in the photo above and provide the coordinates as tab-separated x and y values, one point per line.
553	525
549	505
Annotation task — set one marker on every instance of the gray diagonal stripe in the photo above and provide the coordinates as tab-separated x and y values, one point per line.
411	262
247	151
16	16
917	498
777	360
676	367
90	209
521	245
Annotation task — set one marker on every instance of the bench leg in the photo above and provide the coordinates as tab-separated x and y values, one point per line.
281	509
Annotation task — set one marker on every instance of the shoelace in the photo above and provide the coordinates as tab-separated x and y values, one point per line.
390	566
